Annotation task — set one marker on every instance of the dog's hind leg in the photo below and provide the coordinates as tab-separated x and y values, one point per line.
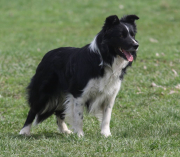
61	124
27	125
78	118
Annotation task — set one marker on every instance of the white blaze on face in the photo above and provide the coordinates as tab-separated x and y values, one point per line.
126	28
130	35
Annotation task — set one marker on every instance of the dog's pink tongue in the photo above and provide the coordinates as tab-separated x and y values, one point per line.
128	55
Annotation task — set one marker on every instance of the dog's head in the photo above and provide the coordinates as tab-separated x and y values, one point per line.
120	34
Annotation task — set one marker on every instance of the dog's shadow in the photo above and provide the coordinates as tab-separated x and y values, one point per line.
42	135
47	135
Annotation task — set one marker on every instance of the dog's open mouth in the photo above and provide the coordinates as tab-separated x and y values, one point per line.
128	55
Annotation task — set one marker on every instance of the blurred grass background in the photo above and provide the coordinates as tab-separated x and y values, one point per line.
146	116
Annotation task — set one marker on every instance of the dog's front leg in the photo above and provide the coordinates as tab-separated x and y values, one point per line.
105	124
107	109
78	118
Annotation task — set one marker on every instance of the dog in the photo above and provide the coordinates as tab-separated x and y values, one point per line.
69	79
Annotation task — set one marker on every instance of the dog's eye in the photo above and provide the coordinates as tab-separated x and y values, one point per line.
121	36
132	35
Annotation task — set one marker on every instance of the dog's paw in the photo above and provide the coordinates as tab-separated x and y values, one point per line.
78	131
106	133
80	134
24	132
67	132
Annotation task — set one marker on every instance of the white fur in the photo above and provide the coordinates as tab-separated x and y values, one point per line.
94	48
62	126
134	41
105	129
126	28
102	93
78	116
25	130
73	113
35	121
69	109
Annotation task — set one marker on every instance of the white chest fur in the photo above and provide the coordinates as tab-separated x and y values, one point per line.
109	82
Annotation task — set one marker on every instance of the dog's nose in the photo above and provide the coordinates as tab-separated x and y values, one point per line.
136	46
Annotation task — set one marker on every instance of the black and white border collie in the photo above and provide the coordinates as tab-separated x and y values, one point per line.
69	79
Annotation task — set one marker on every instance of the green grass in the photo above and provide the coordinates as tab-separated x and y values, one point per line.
145	120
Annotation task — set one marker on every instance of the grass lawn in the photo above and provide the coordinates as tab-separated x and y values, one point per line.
146	116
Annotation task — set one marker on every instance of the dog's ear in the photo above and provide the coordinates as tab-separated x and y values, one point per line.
129	19
110	22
